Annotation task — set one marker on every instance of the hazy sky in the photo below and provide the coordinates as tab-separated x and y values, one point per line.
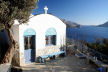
84	12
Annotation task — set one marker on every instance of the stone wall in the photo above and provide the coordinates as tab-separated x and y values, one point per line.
47	50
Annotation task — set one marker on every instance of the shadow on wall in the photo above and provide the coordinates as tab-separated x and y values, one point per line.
4	43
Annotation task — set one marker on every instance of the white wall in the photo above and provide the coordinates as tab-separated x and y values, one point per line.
15	31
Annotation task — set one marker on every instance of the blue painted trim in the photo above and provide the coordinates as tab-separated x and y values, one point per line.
29	31
51	31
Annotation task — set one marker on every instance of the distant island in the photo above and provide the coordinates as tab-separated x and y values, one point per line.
70	24
104	25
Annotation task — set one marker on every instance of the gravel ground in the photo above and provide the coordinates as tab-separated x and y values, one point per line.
66	64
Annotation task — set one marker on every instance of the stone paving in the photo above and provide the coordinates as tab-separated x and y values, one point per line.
66	64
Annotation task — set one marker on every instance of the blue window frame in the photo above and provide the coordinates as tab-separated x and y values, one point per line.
50	37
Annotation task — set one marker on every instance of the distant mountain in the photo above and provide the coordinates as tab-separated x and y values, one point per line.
70	24
104	25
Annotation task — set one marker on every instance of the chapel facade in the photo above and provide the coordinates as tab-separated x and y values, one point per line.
43	34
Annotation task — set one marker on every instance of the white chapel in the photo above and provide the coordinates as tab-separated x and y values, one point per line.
42	35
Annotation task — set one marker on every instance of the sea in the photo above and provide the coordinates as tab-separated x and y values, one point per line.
87	33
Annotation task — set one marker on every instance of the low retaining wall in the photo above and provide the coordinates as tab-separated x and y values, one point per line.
5	67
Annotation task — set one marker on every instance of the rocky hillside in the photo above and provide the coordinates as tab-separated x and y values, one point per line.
104	25
70	24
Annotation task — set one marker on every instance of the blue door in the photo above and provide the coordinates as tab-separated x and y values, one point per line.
29	45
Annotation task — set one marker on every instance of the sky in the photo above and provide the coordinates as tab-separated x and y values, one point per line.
84	12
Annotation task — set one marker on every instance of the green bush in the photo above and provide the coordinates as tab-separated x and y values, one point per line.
101	46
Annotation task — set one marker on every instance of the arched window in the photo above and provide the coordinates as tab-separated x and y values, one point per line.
50	36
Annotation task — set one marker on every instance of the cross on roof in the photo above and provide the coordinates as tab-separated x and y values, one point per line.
45	8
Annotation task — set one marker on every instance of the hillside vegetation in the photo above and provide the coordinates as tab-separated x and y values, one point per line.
100	46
